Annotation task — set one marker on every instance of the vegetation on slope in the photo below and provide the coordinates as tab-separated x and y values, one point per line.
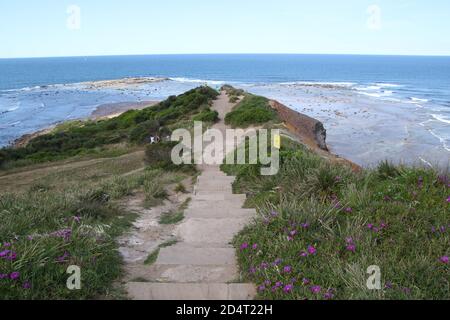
70	213
71	216
252	110
321	226
133	127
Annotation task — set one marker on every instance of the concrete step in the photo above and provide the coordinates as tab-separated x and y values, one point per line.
187	255
219	197
201	230
216	204
205	177
194	273
213	189
220	212
190	291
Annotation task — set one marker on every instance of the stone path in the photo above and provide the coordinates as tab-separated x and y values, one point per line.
202	265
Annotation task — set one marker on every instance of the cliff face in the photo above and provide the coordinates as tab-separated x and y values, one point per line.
310	130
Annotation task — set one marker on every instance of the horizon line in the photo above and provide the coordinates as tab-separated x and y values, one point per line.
224	54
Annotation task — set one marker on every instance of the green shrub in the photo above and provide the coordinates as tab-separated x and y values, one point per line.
252	110
144	130
207	116
159	155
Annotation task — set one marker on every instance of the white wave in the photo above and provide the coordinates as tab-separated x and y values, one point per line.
418	100
388	85
181	79
13	109
319	84
381	94
441	139
440	118
368	88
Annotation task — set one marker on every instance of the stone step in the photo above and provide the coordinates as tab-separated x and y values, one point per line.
187	255
213	189
190	291
201	230
216	204
220	197
219	212
194	273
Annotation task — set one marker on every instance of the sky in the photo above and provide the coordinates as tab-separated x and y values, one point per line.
49	28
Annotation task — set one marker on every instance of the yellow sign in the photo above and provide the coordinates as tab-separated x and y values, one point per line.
277	141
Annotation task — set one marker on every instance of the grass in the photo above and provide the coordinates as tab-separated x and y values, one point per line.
70	214
252	110
393	217
180	188
171	217
169	243
152	257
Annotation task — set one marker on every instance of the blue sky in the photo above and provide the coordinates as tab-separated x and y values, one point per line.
40	28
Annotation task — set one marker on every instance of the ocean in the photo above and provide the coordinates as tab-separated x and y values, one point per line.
373	107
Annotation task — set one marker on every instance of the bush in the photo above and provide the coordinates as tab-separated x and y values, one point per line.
159	155
145	129
252	110
207	116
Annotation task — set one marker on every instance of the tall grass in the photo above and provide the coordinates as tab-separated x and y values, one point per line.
321	226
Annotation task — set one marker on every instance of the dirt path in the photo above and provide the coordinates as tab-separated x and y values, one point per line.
202	264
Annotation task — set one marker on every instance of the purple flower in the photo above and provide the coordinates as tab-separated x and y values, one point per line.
305	225
274	214
370	226
267	282
349	210
303	254
264	265
14	276
26	285
316	289
443	180
77	219
3	276
63	233
448	199
12	256
3	254
7	244
329	295
255	247
288	288
277	262
338	179
261	288
293	233
444	259
388	285
287	269
306	281
351	247
312	250
63	258
244	246
349	240
252	270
